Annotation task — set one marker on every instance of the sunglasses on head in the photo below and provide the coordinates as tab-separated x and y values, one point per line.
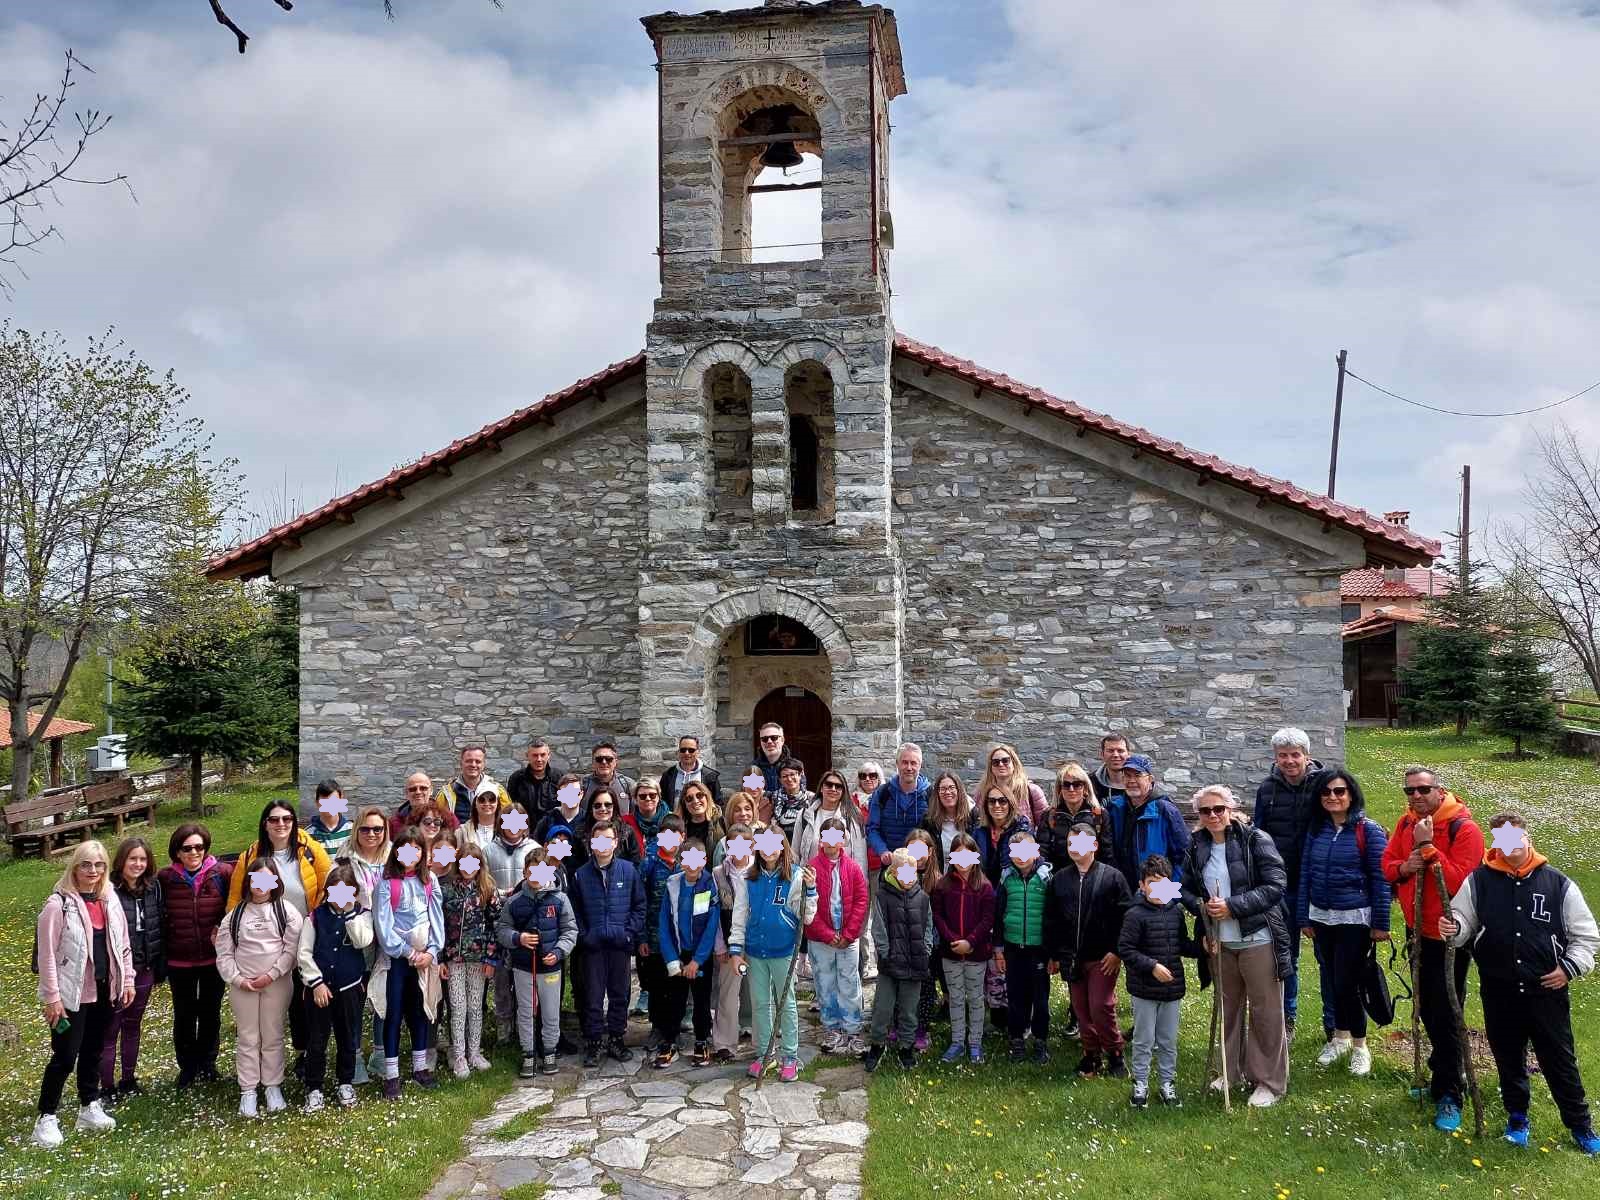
1417	791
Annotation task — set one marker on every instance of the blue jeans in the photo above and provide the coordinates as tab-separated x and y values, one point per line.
836	974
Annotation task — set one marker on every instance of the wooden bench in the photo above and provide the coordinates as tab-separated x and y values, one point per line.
47	823
113	802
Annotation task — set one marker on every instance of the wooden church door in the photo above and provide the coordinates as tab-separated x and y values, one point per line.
807	727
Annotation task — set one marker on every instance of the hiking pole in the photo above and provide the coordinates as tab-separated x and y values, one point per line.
1419	1085
1467	1066
1218	1011
777	1013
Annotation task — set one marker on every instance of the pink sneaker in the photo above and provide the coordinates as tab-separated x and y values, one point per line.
790	1070
921	1043
756	1068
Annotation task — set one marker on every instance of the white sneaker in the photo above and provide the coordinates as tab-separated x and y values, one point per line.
1360	1061
347	1096
247	1103
479	1063
1217	1085
1264	1097
47	1132
1336	1049
94	1119
313	1102
275	1099
459	1068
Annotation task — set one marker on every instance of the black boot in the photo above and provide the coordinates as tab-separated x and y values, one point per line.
874	1056
591	1054
617	1050
1116	1067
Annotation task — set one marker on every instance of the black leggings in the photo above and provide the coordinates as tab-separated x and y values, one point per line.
79	1046
1344	953
196	1017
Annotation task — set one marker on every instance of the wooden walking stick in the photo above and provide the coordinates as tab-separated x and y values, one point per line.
1419	1085
1467	1066
1219	1017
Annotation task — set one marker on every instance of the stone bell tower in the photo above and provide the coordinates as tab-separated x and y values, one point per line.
768	382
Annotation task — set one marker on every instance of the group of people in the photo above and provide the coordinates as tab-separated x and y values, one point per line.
477	901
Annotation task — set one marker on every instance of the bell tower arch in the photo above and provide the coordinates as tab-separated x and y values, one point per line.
785	359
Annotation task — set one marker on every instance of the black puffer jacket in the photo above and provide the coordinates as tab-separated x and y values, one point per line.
145	913
1056	825
1255	877
1151	934
1083	916
902	928
1286	811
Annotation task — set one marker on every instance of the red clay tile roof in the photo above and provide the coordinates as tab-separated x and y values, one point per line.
255	557
1381	619
1385	542
1369	584
59	727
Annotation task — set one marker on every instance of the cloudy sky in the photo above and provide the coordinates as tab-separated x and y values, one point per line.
363	239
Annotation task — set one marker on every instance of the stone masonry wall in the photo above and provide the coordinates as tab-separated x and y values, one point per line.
1050	601
507	609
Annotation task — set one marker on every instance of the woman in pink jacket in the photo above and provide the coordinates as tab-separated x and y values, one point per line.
85	967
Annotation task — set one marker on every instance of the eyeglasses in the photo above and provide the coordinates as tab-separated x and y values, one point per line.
91	866
280	820
371	829
1215	810
687	749
833	784
772	737
605	758
1000	760
1072	783
1417	791
1335	791
999	800
866	775
431	823
192	848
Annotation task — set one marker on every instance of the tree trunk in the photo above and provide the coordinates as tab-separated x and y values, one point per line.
1517	738
1461	723
21	755
197	799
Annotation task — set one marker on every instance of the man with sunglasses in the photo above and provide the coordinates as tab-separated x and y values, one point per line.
1436	829
688	769
1287	807
774	756
605	777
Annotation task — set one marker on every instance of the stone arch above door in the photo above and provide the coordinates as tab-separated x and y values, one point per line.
737	607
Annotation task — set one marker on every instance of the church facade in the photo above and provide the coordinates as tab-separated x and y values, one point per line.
785	509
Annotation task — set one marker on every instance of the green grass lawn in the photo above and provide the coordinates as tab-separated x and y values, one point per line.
1004	1131
195	1144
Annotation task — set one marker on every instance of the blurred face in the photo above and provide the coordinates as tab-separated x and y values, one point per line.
280	824
1292	762
949	796
538	758
688	754
88	874
1138	785
1114	753
134	866
909	765
605	763
1336	797
471	767
1423	795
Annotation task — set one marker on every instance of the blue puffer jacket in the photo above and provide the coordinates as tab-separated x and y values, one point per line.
688	924
609	905
1156	828
1335	874
892	814
995	856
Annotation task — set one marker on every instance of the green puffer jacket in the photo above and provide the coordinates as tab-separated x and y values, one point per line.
1019	905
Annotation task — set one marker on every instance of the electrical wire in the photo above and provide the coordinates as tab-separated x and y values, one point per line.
1521	412
769	246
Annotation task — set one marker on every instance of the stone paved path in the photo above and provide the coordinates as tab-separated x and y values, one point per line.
627	1129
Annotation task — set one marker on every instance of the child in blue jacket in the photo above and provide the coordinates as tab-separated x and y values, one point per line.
537	926
608	898
782	901
660	863
686	936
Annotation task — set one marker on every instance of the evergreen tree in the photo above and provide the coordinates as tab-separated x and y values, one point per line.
1447	678
1519	690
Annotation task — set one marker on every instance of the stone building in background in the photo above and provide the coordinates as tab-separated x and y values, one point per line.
785	509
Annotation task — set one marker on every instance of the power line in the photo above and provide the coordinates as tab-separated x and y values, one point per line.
855	241
1521	412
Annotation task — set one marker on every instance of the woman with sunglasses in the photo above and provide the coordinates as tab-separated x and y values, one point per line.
701	817
1004	770
366	853
303	867
85	967
603	807
832	800
1233	879
1075	802
1343	906
194	897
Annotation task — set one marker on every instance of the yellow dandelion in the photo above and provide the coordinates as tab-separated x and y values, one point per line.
1322	1170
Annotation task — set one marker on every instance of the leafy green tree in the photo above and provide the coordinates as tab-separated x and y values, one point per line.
1520	705
1447	678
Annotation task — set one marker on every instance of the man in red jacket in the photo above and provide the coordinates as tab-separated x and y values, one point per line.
1437	828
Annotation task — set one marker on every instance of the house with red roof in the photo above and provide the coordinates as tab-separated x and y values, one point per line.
784	509
1380	608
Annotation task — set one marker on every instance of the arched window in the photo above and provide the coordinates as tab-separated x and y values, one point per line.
727	398
786	212
770	163
808	396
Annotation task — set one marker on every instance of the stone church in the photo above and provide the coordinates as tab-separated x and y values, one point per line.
783	508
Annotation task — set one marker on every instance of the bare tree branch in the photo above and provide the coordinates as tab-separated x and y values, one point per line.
227	22
39	155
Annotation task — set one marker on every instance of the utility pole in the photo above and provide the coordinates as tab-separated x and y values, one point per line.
1338	412
1466	518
